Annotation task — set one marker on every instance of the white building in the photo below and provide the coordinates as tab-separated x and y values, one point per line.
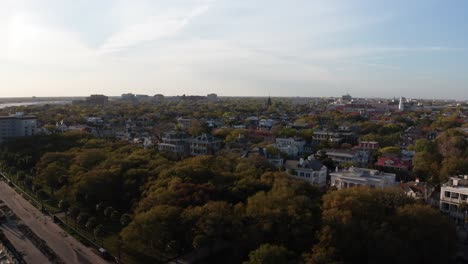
175	142
310	170
401	105
452	194
293	147
17	126
340	156
205	145
359	176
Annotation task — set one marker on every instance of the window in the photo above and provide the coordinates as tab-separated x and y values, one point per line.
445	206
447	194
455	195
463	197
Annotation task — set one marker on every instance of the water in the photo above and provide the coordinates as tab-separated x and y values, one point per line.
5	105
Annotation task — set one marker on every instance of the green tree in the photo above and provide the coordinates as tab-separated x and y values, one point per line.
362	225
270	254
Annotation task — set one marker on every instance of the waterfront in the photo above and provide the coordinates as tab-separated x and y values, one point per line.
5	105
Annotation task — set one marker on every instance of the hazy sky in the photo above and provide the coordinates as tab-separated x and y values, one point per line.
371	48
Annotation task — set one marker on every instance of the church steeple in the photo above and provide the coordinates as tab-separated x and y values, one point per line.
269	101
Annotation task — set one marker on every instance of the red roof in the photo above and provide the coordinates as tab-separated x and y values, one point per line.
393	162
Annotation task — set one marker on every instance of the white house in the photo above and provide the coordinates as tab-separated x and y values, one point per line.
452	195
310	170
293	147
359	176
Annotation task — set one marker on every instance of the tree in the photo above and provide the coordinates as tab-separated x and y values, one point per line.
99	233
362	225
73	212
270	254
91	223
82	218
108	211
115	215
125	219
153	230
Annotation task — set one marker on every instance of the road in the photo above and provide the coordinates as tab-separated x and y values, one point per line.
23	245
65	246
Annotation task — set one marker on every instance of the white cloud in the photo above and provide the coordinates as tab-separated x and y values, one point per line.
158	26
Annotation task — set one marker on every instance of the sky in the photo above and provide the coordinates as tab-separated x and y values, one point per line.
367	48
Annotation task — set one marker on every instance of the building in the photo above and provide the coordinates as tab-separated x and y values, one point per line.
293	147
394	163
340	156
310	170
452	195
205	145
212	97
361	177
128	97
343	134
17	125
174	142
369	145
185	123
401	105
97	99
418	190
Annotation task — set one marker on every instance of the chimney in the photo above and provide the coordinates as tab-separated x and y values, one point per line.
301	161
336	169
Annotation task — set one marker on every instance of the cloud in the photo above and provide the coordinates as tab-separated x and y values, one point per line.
155	27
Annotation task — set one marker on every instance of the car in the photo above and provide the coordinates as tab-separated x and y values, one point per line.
104	254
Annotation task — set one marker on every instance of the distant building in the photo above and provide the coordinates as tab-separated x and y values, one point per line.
346	98
293	147
174	142
418	190
394	163
369	145
340	156
128	97
212	97
97	99
310	170
452	195
205	145
361	177
17	126
185	123
401	105
343	134
158	97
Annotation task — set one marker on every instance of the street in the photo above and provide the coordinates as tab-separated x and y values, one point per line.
65	246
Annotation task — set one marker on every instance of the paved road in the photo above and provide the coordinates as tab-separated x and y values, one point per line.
65	246
23	245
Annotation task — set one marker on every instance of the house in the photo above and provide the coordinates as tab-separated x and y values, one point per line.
340	156
185	123
205	145
293	147
361	177
266	123
452	195
394	163
310	170
418	190
369	145
174	142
